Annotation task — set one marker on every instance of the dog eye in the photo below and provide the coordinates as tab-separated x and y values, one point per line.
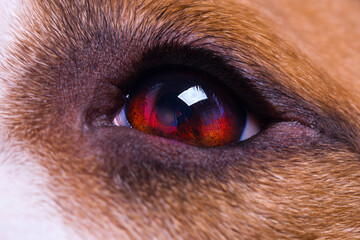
187	106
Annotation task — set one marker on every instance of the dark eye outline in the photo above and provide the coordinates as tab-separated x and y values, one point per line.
207	61
287	119
251	125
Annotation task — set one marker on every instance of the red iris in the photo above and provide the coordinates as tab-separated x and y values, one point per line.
186	106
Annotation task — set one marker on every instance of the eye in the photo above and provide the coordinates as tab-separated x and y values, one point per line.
187	106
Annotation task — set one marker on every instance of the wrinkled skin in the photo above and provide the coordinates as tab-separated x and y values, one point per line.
66	172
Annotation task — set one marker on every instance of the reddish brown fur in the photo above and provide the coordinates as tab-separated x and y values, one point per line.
299	179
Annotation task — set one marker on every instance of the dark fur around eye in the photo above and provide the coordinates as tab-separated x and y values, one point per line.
74	83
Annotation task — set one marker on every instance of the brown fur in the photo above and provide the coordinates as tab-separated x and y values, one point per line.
298	179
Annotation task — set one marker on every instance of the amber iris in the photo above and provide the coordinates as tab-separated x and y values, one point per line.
187	106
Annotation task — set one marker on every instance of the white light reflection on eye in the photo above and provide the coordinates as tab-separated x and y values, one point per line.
252	127
193	95
120	119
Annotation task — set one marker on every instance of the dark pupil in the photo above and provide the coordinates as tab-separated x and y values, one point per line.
172	111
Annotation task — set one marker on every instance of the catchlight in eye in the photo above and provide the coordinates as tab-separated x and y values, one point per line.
187	106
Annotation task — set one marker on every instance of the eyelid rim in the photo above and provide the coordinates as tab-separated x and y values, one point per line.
209	62
252	83
257	94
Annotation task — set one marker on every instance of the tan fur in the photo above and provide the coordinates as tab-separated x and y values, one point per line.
298	179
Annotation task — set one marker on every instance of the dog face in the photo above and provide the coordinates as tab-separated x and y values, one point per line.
67	171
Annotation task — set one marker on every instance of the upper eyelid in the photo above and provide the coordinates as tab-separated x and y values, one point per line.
247	81
190	30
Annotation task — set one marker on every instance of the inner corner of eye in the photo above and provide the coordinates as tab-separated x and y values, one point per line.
189	107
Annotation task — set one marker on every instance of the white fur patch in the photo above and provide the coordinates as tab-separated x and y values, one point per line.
7	9
26	208
27	212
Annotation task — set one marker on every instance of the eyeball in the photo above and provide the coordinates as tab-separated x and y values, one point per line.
187	106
